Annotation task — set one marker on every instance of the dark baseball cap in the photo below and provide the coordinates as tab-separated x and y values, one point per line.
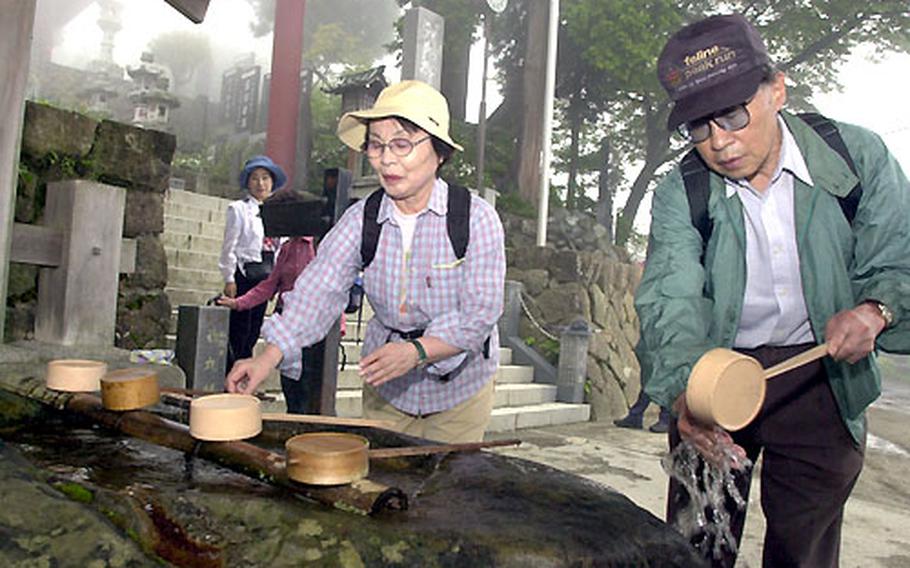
711	65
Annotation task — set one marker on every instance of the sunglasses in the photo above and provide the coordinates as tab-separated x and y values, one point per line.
730	119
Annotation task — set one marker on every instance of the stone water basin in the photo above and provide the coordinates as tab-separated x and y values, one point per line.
131	503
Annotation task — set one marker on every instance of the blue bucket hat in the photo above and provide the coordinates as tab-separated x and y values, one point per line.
278	176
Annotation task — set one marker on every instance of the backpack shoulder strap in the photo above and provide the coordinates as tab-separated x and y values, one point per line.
458	219
370	236
825	127
697	181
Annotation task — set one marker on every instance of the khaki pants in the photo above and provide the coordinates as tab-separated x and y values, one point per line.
463	423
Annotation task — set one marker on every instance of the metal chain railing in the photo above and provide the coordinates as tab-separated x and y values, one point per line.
524	307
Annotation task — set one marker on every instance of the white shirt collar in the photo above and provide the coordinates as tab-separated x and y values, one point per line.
791	160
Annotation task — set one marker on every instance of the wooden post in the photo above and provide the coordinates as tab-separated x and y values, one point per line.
15	46
77	300
284	87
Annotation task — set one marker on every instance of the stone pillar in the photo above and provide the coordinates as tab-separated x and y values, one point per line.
77	300
202	339
573	362
15	46
421	56
511	310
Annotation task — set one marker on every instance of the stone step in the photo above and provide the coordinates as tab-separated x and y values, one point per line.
507	419
348	404
366	315
192	259
194	279
188	297
200	200
504	395
209	215
523	394
192	226
514	374
184	241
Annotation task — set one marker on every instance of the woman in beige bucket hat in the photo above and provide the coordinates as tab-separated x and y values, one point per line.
431	351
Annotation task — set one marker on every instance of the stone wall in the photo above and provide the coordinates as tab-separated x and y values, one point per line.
580	274
58	145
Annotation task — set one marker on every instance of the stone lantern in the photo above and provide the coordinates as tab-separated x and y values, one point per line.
152	102
359	91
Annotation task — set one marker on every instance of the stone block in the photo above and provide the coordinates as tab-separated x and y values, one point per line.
202	340
151	264
565	266
525	258
606	397
20	321
49	129
502	420
536	281
23	278
569	413
349	404
132	157
565	303
143	319
501	398
422	51
599	306
600	346
29	200
144	213
534	417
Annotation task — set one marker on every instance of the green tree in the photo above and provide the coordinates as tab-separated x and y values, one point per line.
338	36
188	54
337	31
621	39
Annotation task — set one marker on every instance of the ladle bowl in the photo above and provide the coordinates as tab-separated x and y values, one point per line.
727	388
129	389
75	375
225	417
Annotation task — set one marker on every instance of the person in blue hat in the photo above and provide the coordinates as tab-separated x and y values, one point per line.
247	255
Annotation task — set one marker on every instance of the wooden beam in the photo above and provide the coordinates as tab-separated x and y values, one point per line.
127	256
42	246
35	244
192	9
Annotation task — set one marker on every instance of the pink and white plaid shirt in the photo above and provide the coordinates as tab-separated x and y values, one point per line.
458	302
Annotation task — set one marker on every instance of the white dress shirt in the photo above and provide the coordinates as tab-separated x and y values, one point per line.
243	234
774	309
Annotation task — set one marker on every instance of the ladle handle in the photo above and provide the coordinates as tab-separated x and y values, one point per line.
816	352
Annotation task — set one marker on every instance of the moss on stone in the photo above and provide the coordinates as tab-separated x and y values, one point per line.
75	492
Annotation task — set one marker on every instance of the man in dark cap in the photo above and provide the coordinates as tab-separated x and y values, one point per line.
769	238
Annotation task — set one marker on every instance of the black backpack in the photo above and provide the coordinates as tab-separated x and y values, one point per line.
458	223
696	177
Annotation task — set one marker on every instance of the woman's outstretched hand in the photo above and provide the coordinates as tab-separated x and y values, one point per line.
248	374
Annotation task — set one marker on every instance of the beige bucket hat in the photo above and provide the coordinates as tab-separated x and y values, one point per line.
414	100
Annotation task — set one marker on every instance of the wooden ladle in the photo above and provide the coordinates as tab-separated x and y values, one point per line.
728	388
335	458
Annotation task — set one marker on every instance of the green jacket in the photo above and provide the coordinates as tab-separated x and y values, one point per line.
686	308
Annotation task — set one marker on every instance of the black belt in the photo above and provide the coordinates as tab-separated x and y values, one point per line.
418	333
